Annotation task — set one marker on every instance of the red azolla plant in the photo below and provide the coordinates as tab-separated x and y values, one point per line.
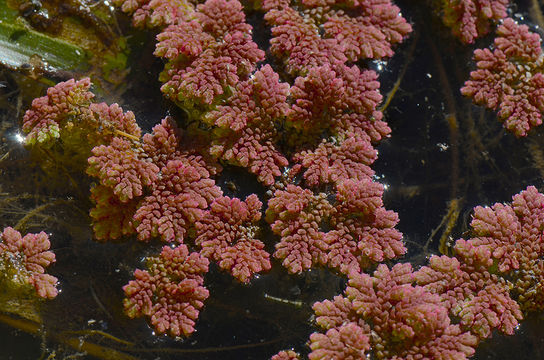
285	355
155	187
68	114
23	260
504	253
184	191
510	238
226	234
297	42
119	122
366	29
351	31
246	121
65	102
296	215
170	292
470	19
168	142
445	308
478	298
122	168
509	235
161	186
155	13
362	230
111	218
330	162
219	53
176	202
385	315
327	123
68	111
509	78
246	130
349	341
348	234
346	111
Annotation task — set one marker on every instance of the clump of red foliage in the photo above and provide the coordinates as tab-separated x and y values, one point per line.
307	132
509	78
23	260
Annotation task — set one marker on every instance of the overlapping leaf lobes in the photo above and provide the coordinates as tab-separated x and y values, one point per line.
161	186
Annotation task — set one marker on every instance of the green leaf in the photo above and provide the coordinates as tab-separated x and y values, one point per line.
18	44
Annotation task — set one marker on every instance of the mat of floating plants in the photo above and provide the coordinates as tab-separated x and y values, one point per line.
271	179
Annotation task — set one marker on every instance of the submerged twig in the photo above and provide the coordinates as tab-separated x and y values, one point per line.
535	13
409	57
77	343
451	118
37	212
